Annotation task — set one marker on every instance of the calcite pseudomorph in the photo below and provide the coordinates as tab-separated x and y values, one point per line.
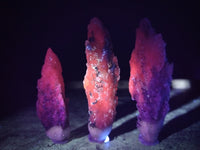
100	81
52	106
149	83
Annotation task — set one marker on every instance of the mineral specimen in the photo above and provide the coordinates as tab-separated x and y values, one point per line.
51	104
149	83
100	81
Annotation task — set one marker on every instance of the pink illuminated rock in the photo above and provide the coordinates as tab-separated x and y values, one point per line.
149	83
52	105
101	81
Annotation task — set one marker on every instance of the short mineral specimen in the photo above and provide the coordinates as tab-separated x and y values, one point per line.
149	83
52	105
100	81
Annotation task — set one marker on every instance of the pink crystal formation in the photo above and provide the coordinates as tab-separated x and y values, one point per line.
149	83
52	105
100	81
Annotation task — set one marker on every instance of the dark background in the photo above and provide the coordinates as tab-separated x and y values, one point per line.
29	28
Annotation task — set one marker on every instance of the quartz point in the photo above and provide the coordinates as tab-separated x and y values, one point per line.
100	81
149	82
52	106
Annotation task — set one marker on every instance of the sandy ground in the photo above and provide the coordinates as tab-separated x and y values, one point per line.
23	130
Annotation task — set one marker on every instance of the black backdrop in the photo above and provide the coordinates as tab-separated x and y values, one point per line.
28	28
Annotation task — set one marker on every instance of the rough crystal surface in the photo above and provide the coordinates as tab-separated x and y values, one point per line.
149	82
101	78
51	104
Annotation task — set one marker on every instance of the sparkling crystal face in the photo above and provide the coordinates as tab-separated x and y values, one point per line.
100	81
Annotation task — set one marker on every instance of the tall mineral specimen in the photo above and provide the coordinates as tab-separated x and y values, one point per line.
149	83
101	81
52	105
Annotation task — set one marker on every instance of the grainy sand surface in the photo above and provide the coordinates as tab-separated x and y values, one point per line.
23	130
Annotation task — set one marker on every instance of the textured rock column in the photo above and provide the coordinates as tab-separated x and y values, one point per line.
52	106
149	83
100	81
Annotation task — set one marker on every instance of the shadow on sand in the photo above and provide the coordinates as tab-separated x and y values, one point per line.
79	132
171	127
180	123
126	107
